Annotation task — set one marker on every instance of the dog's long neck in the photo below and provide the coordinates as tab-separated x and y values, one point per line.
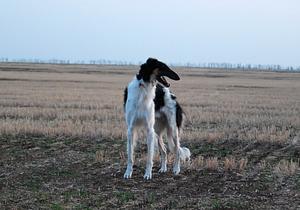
140	79
145	90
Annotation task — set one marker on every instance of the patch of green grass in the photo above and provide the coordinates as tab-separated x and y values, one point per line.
83	194
42	197
64	173
211	150
56	206
216	204
69	141
124	196
298	183
267	177
266	180
236	204
33	184
223	152
67	173
16	152
74	193
45	143
172	204
67	195
151	197
82	207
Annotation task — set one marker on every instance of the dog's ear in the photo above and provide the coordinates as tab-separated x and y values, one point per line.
145	72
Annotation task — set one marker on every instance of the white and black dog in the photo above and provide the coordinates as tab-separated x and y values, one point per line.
150	105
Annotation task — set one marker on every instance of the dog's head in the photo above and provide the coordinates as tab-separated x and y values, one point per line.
155	70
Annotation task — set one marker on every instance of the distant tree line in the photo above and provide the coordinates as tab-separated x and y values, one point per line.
62	61
226	66
241	66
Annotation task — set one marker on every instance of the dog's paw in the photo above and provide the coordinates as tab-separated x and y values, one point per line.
148	175
128	173
163	169
176	170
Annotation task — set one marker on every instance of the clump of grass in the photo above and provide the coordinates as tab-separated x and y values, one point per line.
286	167
100	156
198	162
230	164
216	204
212	163
242	164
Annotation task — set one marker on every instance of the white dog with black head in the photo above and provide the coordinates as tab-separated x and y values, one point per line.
150	105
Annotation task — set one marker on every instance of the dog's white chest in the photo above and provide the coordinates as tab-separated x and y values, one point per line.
139	105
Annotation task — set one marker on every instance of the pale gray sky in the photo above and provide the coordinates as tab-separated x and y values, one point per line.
175	31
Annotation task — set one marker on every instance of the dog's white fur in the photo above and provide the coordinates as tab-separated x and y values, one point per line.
140	113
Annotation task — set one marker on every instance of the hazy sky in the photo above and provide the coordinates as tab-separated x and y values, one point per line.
175	31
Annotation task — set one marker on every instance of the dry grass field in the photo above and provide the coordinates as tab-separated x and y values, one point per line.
62	140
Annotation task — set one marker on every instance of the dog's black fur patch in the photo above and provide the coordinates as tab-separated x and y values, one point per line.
179	115
144	73
159	100
125	96
147	69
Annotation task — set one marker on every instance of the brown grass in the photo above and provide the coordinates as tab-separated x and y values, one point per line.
286	167
212	163
63	140
230	164
87	103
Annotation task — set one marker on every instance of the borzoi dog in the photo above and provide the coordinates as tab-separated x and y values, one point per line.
149	104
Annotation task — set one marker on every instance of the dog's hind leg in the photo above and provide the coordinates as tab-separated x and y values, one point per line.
163	153
181	153
175	137
131	135
171	144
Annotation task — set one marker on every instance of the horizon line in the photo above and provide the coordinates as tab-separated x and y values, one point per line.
102	61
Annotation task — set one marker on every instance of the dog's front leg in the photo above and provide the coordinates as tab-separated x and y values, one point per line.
150	146
130	151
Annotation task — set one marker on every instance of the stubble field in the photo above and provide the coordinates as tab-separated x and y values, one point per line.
63	140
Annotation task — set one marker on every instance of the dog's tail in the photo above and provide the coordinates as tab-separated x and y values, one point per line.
184	154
